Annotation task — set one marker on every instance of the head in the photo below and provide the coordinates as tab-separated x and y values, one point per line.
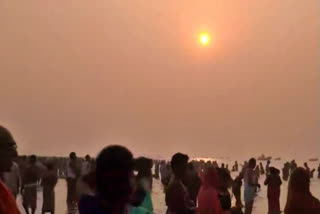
299	182
32	159
252	163
143	166
87	158
179	163
114	174
8	149
274	171
72	156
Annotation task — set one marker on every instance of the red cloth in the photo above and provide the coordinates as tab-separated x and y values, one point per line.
7	202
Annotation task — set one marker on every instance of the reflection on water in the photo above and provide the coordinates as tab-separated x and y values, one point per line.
260	205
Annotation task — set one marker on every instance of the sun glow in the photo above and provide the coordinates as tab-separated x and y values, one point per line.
204	38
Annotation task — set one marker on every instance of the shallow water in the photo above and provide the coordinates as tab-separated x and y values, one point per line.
260	205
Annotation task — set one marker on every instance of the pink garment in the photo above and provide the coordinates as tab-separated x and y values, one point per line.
208	201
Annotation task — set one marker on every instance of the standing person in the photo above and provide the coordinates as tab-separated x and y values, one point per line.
208	201
267	167
262	169
30	181
273	182
8	151
143	201
86	165
12	179
236	189
286	171
114	176
249	186
300	200
177	197
73	173
48	182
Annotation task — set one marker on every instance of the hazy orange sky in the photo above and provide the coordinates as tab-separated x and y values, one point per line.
77	75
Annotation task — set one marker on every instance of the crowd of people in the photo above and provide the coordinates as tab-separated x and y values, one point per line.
116	183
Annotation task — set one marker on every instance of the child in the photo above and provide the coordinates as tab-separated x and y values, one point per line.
273	182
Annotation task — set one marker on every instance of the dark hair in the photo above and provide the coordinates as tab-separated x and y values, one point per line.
113	172
252	162
33	159
7	143
179	163
72	155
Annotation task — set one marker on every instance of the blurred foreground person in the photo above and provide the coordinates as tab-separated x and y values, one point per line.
48	182
224	183
208	201
114	177
30	181
249	186
177	196
273	181
300	199
8	152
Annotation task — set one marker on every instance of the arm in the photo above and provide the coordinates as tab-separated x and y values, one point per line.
266	182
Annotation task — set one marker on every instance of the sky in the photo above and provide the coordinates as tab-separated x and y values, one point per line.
79	75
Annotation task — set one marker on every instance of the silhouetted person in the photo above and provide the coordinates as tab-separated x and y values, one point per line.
236	189
114	175
286	171
30	181
312	173
306	167
262	171
224	182
236	166
249	186
193	182
300	199
8	151
273	182
86	165
12	179
267	167
177	196
293	166
319	171
73	173
208	201
142	197
48	182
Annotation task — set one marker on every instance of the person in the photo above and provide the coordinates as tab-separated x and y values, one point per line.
267	167
208	201
300	200
12	179
8	151
86	165
273	182
249	186
30	181
236	189
306	167
293	166
224	182
312	172
236	167
73	173
286	171
262	169
177	197
143	190
193	182
319	171
48	182
114	178
165	173
257	176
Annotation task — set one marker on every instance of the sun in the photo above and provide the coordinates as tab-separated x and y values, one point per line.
204	38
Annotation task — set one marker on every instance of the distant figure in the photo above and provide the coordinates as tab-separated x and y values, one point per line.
142	202
177	196
306	167
236	166
156	170
293	166
249	186
114	175
236	189
193	182
300	199
48	182
8	151
12	179
319	171
286	171
262	169
267	167
86	165
222	166
273	182
208	201
73	173
30	181
224	183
